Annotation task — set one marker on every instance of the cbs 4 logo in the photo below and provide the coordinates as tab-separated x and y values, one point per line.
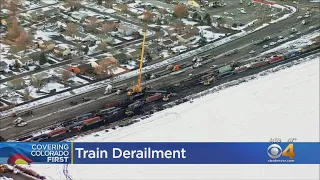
275	151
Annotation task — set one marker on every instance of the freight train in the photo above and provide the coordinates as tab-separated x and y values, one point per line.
229	70
108	114
113	111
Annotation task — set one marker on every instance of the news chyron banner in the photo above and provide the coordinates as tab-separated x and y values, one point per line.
158	153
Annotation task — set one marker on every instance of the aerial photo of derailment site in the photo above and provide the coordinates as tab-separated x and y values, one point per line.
158	71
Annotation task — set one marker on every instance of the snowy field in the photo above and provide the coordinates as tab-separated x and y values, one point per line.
284	104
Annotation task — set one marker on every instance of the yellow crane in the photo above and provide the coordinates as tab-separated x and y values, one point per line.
138	88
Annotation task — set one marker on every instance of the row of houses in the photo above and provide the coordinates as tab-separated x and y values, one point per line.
42	13
87	68
42	78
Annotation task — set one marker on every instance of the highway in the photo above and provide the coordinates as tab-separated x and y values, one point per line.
57	112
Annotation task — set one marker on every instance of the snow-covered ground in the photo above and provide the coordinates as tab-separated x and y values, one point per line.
49	1
209	35
283	104
45	35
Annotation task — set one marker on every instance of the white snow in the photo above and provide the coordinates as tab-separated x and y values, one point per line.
78	80
282	104
118	70
33	92
110	11
128	37
187	22
10	95
53	85
45	35
2	77
49	1
165	53
203	27
180	48
209	35
116	41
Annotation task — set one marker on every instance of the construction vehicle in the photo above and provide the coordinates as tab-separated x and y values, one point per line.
209	81
138	88
166	97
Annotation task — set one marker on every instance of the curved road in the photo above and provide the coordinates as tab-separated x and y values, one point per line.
56	112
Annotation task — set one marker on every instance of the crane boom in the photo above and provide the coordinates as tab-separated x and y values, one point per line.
138	88
141	61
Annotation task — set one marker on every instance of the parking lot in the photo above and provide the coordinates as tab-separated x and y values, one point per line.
234	12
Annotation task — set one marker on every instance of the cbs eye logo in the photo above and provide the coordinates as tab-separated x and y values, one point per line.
275	151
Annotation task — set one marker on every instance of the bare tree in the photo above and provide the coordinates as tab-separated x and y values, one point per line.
98	70
180	11
26	93
71	29
179	26
107	27
65	77
79	48
35	82
13	29
124	8
147	16
92	24
221	21
106	68
73	4
162	12
103	45
12	5
24	40
108	3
